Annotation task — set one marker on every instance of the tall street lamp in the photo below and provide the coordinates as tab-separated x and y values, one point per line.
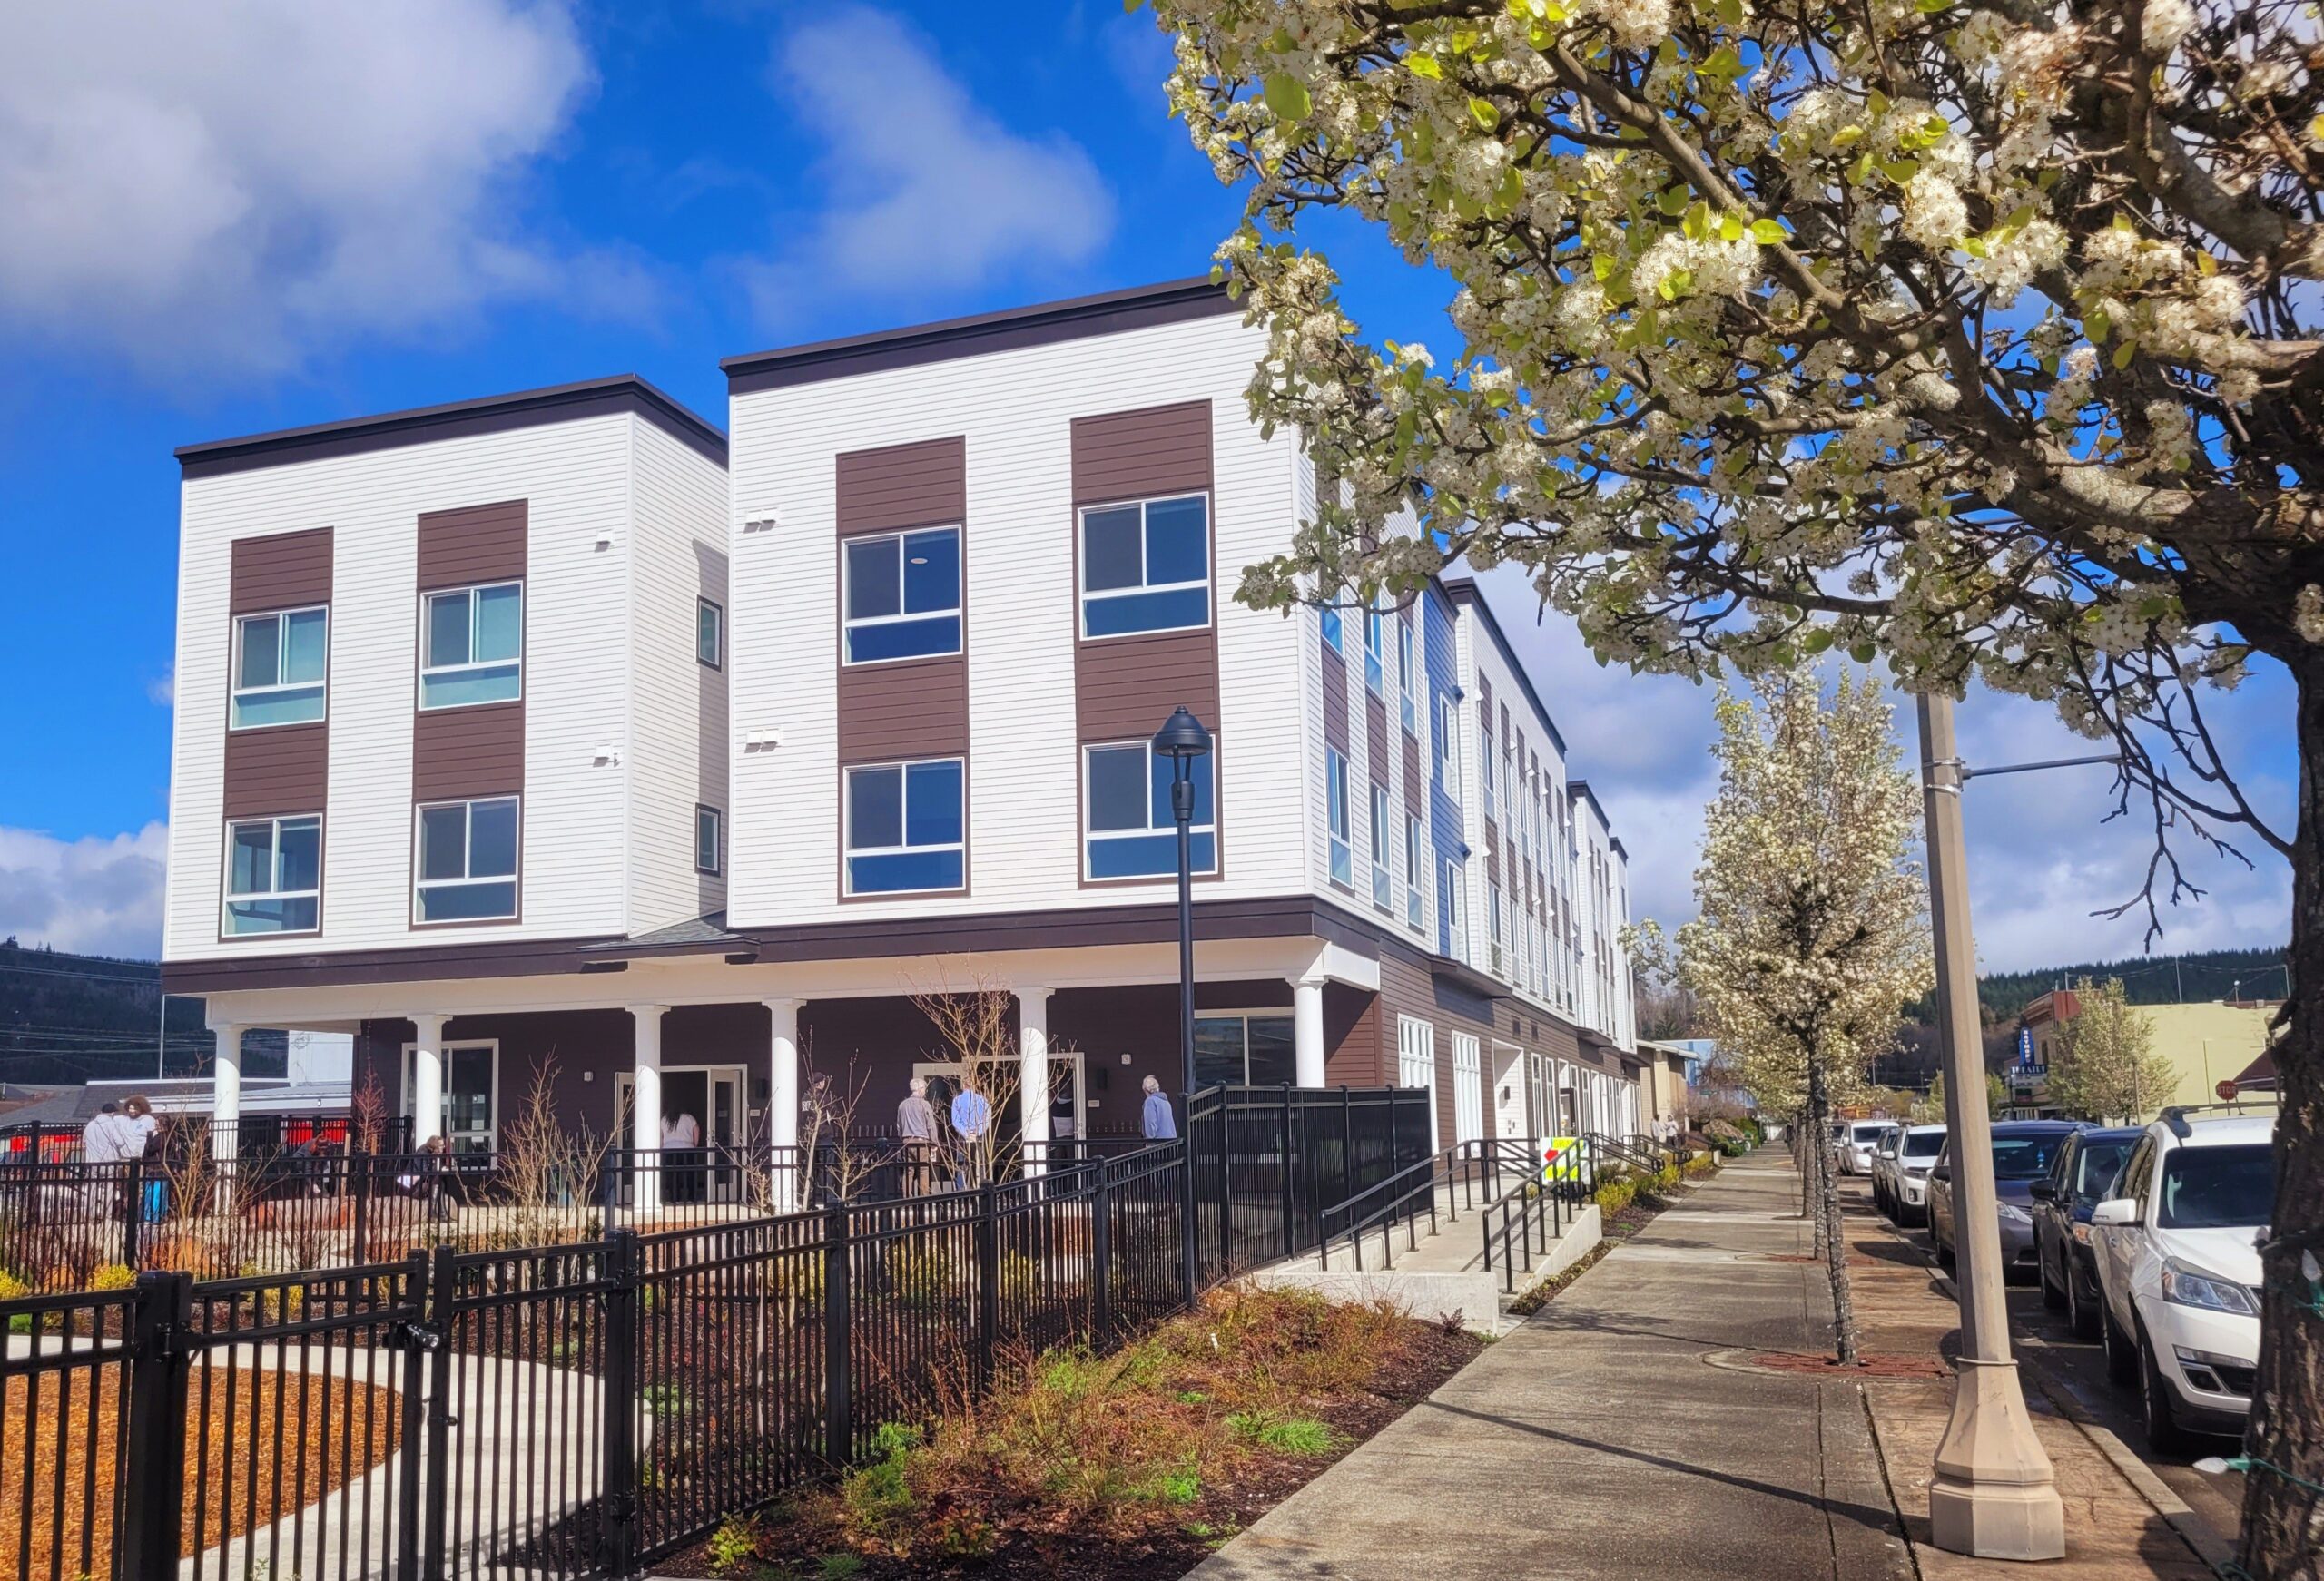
1182	739
1994	1495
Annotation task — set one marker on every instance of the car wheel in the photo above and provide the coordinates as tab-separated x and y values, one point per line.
2164	1436
2081	1316
2121	1351
2051	1296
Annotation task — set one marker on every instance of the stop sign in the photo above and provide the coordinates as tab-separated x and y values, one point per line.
2226	1090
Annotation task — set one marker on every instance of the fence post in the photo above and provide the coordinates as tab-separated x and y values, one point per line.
1101	1265
133	1179
839	1381
418	1340
1347	1142
1226	1187
443	1287
988	1282
154	1467
620	1412
1290	1234
360	1165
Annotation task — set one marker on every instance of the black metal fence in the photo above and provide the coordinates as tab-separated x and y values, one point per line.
567	1410
1271	1163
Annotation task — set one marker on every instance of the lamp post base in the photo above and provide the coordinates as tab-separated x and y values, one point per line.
1994	1496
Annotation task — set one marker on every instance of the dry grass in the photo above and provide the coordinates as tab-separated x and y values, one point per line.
58	1455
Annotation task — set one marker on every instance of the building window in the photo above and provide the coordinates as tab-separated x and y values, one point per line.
709	634
468	861
1406	706
905	829
1334	633
1448	747
1335	796
1145	566
1484	762
1375	639
903	595
1448	906
279	664
709	839
469	1118
1128	830
1493	926
472	645
1382	886
1411	871
274	876
1254	1050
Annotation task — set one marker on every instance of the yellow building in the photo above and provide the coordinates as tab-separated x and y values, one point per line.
2207	1043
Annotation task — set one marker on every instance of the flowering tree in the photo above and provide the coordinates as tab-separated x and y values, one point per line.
1980	334
2107	1067
1812	927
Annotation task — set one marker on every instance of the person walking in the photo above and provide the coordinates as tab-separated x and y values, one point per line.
972	1118
1156	1118
916	1130
681	1140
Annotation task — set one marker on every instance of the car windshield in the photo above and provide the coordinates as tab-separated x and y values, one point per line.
1869	1132
1925	1144
2095	1169
2217	1188
2026	1157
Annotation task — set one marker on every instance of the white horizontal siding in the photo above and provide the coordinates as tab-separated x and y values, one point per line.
1015	410
575	477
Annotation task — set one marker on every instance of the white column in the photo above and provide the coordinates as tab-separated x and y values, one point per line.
1033	1076
783	1104
225	1093
1307	1031
645	1096
427	1094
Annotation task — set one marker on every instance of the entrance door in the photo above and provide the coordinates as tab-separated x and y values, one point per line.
712	1095
470	1115
1468	1089
1416	1064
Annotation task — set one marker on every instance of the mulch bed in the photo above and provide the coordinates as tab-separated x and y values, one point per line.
1031	1546
327	1440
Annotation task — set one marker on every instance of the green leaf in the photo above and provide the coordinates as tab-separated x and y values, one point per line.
1730	12
1931	7
1724	64
1697	225
1484	113
1424	66
1900	170
2098	326
1731	228
1672	200
1863	652
2124	352
1288	98
1848	137
1816	641
1767	232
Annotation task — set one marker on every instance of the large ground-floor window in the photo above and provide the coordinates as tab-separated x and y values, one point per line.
470	1114
1248	1049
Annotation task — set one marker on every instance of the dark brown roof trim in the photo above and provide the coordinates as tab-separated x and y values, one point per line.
477	959
456	420
1012	330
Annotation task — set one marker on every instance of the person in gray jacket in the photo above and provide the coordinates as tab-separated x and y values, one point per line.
916	1130
1156	1119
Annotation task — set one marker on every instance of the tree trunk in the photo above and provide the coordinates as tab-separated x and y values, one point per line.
1835	1245
2283	1520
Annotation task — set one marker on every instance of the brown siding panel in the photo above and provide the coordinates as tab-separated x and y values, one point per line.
484	543
916	709
1125	454
280	571
468	752
1415	783
1126	686
1334	695
277	770
1376	724
1352	1044
919	484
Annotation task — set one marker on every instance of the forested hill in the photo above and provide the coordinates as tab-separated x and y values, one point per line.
2150	979
71	1018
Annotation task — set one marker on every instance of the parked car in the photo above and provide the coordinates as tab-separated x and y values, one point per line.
1884	1154
1856	1151
2177	1251
2082	1177
2024	1151
1900	1180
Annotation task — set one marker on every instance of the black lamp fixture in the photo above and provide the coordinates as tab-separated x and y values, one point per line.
1182	739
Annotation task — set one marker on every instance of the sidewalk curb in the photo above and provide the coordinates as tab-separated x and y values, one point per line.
2192	1529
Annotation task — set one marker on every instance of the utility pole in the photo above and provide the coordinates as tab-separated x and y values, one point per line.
1994	1496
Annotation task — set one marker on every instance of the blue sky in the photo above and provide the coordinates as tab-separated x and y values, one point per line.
259	213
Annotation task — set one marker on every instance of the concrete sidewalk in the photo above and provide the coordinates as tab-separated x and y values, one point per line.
1595	1442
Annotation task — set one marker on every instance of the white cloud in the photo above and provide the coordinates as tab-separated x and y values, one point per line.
242	182
2042	856
163	690
102	896
928	191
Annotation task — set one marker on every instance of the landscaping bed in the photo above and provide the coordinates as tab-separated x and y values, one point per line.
1623	1209
1132	1467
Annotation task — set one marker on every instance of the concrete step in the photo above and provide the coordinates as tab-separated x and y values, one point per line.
1439	1276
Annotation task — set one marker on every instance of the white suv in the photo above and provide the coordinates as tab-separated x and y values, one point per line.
1900	1177
2177	1251
1855	1148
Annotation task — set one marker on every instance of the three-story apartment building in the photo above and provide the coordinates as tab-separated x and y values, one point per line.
559	737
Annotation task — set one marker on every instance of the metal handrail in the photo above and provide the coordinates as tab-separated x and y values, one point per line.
1418	1180
1622	1153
